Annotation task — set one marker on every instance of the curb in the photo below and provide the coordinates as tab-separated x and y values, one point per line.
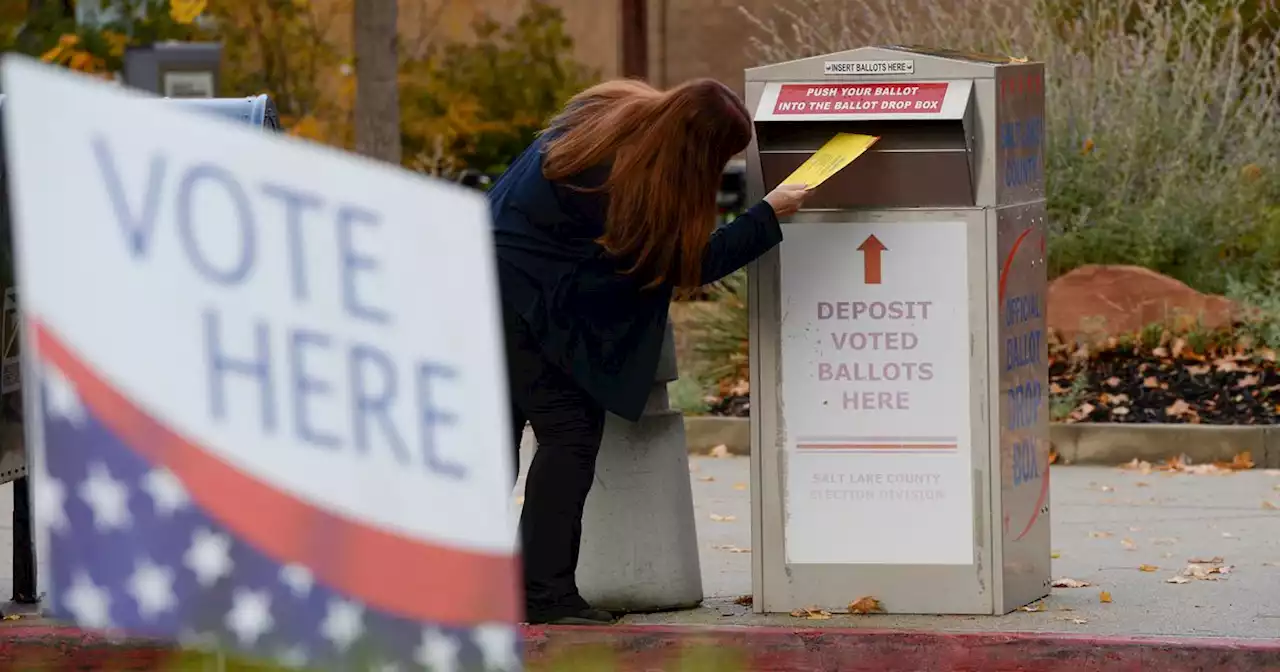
1106	444
626	649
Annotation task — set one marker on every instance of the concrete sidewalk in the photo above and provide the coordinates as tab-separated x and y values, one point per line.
1107	523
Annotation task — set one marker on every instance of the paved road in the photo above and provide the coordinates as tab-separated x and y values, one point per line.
1168	519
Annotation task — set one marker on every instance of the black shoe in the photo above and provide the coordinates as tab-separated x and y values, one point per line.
585	616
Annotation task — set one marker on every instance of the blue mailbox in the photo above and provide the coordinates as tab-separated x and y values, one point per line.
254	110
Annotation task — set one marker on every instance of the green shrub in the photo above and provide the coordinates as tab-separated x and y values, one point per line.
719	333
1163	142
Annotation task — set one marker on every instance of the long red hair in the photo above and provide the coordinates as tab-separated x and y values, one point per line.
668	150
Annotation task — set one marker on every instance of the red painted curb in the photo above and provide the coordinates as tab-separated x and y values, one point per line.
761	649
642	648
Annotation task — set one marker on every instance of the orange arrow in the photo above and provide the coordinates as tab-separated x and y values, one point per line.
871	249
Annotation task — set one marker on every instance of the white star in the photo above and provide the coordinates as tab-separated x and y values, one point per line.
438	651
297	578
87	602
50	502
60	397
250	615
106	497
166	491
295	656
208	557
497	644
343	624
151	586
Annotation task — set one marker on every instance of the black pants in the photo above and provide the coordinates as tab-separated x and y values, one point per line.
568	425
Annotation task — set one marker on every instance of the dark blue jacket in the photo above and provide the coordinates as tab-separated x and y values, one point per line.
594	322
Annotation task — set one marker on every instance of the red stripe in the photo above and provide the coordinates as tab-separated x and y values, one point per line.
387	571
877	446
1008	262
1035	514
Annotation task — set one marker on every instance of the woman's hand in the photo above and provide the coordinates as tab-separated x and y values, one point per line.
786	199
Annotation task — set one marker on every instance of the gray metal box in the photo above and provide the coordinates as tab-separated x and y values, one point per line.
898	355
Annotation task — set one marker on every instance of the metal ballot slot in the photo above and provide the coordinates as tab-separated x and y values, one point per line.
916	162
898	362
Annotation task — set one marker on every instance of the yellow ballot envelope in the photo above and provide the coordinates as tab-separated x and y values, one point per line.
839	152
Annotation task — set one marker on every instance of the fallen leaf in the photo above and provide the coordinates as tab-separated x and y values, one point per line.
1033	607
1248	381
1205	572
1137	465
1128	545
1134	528
1142	484
1197	370
1053	455
1177	579
1147	568
1100	535
719	451
13	617
1104	597
866	605
1179	408
812	613
1269	506
1151	382
1164	541
1077	621
1055	555
723	519
1113	381
1120	410
731	548
1228	535
739	486
1065	582
706	479
1215	560
744	600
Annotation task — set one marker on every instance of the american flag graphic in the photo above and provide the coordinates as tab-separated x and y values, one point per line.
151	535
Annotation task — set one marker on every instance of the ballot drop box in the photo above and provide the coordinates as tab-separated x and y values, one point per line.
898	357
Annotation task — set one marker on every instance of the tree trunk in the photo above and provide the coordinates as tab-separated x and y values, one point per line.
377	106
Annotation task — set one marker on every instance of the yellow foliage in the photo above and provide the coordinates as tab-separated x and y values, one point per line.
116	42
184	12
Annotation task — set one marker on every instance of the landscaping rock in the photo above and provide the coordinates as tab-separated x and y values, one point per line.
1098	301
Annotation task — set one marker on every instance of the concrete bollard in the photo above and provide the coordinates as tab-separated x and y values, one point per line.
639	538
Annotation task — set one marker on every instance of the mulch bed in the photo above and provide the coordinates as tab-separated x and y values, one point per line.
1123	382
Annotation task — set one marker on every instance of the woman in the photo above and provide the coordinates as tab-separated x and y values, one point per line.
607	214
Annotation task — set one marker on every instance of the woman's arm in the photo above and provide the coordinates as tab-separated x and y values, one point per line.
740	242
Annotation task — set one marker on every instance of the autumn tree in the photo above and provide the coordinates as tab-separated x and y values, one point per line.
477	104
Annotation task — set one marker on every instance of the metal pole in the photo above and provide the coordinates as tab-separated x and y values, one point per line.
24	550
